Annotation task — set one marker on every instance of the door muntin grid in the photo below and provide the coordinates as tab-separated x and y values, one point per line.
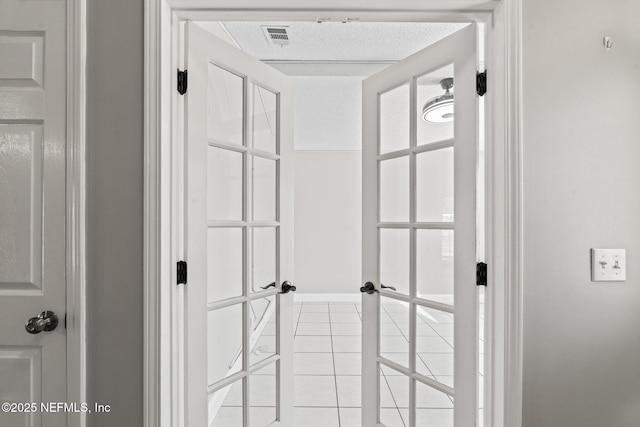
398	248
258	227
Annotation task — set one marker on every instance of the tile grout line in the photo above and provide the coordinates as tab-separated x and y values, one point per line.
395	402
385	376
442	338
333	357
295	333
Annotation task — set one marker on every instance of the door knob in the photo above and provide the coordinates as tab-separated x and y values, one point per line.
45	321
287	286
369	288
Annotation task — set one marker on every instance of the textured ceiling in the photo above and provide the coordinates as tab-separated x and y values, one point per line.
334	41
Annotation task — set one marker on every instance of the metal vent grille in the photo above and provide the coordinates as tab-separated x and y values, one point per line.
276	35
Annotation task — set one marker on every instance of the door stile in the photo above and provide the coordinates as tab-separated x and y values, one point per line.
248	248
465	291
285	242
370	303
413	142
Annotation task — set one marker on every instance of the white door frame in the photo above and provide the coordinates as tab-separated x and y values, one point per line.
76	184
162	361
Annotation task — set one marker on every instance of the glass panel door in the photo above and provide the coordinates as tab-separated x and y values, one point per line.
238	172
419	224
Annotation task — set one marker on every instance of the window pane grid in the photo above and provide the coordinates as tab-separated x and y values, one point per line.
417	380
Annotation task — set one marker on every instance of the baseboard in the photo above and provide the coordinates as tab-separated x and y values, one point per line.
301	297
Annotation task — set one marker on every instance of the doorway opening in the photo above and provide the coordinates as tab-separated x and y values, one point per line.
327	62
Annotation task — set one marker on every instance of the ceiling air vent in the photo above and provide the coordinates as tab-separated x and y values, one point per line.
276	35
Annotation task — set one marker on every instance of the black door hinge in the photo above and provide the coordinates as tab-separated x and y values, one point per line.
481	82
182	82
481	274
181	273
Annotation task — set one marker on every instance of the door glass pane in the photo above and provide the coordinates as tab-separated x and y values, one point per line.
394	190
262	397
224	342
389	410
393	342
435	106
434	271
394	119
394	259
263	119
224	259
262	315
433	407
225	406
263	182
434	344
434	186
224	184
224	119
263	266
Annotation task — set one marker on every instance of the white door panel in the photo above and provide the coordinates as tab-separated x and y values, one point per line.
419	242
32	206
239	328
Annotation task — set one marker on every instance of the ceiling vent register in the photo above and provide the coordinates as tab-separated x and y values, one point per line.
276	35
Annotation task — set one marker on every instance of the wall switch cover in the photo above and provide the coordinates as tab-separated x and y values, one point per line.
608	265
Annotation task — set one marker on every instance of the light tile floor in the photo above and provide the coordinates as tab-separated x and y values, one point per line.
327	369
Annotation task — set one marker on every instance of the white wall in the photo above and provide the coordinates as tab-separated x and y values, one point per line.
581	190
327	221
328	189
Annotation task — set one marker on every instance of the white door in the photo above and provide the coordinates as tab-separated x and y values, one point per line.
419	223
32	210
239	248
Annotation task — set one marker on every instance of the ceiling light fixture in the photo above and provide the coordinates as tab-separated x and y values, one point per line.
440	108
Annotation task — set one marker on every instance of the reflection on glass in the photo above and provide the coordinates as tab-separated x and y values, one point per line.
430	87
224	259
434	186
264	189
263	265
394	190
393	342
262	397
433	407
262	318
434	344
224	184
394	397
225	406
434	271
394	259
394	119
224	344
224	118
264	119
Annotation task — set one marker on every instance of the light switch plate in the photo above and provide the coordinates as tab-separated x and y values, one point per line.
608	265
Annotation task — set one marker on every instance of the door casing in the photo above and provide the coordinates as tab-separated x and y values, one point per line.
163	159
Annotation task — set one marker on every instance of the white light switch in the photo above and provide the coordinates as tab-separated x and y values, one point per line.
608	265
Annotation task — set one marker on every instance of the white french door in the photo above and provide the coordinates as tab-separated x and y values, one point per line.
239	311
419	348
